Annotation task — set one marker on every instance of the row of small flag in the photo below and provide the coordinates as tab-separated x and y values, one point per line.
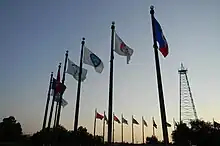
125	121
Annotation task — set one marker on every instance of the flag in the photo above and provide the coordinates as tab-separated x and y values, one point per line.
124	121
116	119
73	70
63	102
160	38
216	125
57	87
135	121
99	116
145	123
154	124
122	49
168	124
91	59
174	122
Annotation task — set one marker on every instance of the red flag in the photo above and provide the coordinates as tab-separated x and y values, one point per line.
99	116
116	119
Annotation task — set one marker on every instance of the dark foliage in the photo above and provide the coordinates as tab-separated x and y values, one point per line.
198	133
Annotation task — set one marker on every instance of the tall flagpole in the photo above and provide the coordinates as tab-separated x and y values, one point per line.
103	128
143	128
48	101
153	127
53	100
61	95
132	131
159	82
95	123
79	86
113	137
111	86
122	128
55	117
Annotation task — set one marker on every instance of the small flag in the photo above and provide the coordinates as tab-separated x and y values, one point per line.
99	116
135	121
145	123
93	60
174	122
73	70
154	124
163	46
216	124
168	124
122	49
63	102
124	121
116	119
57	87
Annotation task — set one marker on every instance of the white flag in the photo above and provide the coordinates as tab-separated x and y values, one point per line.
73	70
122	49
63	103
93	60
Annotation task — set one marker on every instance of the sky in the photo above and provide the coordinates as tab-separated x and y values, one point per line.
34	36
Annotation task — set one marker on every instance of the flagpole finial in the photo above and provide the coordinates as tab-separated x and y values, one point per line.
60	64
67	51
83	41
113	25
151	9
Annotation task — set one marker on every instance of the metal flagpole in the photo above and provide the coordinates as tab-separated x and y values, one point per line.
111	86
159	82
52	105
61	94
143	128
79	86
104	128
132	131
122	129
95	122
47	102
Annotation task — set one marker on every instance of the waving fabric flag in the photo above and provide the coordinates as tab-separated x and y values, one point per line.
124	121
63	102
135	121
73	70
154	124
99	116
160	38
168	124
93	60
116	119
145	123
122	49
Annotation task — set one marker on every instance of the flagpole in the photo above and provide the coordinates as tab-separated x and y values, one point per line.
95	122
61	95
153	127
104	128
53	100
48	101
132	131
121	128
159	82
113	137
111	85
143	128
79	86
55	117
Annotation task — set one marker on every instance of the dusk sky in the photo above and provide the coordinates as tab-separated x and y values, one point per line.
34	36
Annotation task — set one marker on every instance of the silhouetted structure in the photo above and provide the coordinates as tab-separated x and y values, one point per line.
187	106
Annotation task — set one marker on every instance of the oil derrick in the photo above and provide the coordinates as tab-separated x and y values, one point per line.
187	106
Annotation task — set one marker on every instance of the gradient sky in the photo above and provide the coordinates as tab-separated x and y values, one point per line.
34	36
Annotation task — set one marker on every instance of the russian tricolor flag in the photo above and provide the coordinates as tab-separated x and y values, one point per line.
163	46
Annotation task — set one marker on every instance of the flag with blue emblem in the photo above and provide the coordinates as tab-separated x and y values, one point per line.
91	59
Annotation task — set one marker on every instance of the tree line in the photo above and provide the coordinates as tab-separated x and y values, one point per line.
197	132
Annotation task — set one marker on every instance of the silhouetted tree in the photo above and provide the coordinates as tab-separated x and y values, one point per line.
152	140
10	129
